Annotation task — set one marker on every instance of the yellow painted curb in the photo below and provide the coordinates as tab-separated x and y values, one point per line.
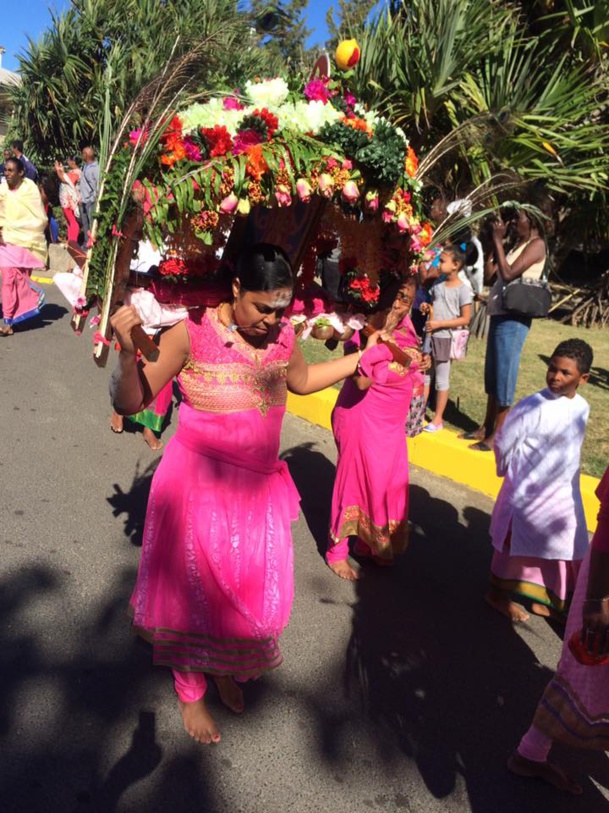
441	453
44	280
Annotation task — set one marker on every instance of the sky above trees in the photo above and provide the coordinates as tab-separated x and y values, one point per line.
35	15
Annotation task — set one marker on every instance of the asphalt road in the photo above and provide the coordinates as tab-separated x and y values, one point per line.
402	692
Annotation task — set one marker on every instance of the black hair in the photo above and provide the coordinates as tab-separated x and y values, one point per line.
263	267
578	350
457	253
75	158
17	145
17	161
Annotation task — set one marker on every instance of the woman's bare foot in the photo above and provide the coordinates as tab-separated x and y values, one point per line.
6	330
198	722
151	439
548	612
504	605
543	770
230	693
344	570
116	423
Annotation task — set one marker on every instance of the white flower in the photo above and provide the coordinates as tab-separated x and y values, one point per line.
270	92
210	114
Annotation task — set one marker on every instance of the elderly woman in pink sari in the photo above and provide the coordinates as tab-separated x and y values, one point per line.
22	245
370	497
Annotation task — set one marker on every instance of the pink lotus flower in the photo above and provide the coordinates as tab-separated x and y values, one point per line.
389	212
415	244
372	201
347	164
325	185
283	196
244	206
403	222
232	103
303	188
229	204
332	163
350	192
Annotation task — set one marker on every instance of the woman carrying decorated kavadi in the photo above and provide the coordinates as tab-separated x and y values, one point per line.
215	583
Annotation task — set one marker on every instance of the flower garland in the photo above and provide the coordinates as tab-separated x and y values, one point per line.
270	146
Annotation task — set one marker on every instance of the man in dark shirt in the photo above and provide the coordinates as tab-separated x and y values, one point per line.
30	170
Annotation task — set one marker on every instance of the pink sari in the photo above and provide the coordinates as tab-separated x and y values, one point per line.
215	583
21	298
574	708
370	497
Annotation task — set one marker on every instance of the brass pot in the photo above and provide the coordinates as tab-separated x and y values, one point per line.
347	334
322	332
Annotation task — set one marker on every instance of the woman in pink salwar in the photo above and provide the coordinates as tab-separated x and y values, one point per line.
22	245
574	709
215	583
370	497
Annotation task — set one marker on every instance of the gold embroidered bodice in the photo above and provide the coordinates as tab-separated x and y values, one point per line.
225	374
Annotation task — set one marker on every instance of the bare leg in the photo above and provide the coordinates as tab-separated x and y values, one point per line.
502	413
488	424
230	693
116	423
545	771
198	722
151	439
441	402
500	601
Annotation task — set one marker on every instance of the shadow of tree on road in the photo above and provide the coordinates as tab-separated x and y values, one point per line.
77	694
444	682
313	475
132	504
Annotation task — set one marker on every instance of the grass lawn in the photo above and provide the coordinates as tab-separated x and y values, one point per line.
468	401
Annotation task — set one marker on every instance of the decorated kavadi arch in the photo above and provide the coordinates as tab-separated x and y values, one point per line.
311	170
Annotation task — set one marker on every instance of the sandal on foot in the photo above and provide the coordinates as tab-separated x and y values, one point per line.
470	436
481	446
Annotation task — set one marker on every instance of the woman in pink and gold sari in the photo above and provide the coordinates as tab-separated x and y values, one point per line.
23	246
215	584
370	498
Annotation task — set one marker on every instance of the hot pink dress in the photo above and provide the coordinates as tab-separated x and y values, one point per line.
215	583
370	497
574	708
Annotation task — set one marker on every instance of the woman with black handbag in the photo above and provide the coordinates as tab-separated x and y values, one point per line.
508	328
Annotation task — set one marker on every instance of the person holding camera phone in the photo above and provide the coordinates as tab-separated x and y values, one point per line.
508	331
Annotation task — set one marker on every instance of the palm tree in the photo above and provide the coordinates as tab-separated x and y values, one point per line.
65	74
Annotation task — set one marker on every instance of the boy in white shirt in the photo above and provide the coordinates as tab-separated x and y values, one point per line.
538	525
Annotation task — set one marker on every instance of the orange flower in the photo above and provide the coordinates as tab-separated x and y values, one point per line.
426	233
256	164
357	124
412	163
